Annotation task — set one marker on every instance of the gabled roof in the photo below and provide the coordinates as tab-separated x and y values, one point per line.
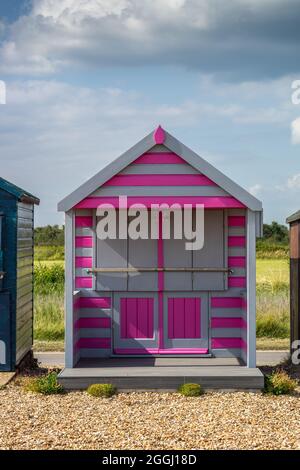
293	218
159	136
19	193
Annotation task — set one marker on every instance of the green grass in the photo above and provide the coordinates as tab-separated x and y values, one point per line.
50	253
267	250
49	278
267	344
272	317
49	317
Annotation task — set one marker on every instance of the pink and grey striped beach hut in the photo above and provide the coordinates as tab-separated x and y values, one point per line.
153	297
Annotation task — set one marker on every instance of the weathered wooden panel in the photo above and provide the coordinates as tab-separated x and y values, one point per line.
24	271
295	299
25	242
24	310
25	223
25	281
24	294
25	252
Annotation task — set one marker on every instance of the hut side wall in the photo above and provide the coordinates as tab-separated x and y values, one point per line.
24	304
8	208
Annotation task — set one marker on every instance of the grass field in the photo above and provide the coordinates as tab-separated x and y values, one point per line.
272	302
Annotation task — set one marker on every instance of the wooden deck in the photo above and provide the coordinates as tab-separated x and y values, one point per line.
162	373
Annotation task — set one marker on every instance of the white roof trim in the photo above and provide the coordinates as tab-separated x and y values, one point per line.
143	146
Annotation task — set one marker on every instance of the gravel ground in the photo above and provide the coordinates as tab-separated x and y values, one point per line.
232	420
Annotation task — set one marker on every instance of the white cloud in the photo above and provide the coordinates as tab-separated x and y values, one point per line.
54	135
255	190
294	182
295	127
206	34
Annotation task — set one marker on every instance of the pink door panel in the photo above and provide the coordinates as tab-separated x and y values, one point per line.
136	318
184	318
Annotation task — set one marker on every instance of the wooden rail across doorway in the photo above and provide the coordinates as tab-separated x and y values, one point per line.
150	270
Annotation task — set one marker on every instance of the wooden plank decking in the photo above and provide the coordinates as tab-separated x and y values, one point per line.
162	373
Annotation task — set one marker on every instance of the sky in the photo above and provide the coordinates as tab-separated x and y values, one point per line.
86	79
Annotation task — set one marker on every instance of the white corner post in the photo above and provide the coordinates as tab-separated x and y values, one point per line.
69	289
251	289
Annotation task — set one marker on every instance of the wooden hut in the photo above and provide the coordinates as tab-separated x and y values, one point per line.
153	297
294	222
16	274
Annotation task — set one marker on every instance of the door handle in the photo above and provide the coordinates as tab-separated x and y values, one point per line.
2	274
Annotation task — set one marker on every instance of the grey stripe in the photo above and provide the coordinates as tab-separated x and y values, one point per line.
95	293
84	252
231	292
236	212
236	251
236	291
158	149
87	352
95	332
238	272
84	232
82	272
226	312
84	212
160	191
236	231
95	313
227	352
226	332
160	169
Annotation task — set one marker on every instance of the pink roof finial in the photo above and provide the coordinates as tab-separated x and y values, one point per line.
159	135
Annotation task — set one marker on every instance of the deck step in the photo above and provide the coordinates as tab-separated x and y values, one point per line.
163	378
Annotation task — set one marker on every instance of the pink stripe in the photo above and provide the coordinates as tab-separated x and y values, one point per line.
76	303
83	262
137	317
238	281
160	278
84	242
93	323
159	136
160	255
226	302
226	343
83	221
236	261
184	317
236	221
161	351
236	241
95	302
184	351
228	322
159	180
158	158
94	343
84	282
209	202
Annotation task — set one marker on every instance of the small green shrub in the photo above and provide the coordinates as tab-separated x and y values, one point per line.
190	390
46	384
279	383
102	390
